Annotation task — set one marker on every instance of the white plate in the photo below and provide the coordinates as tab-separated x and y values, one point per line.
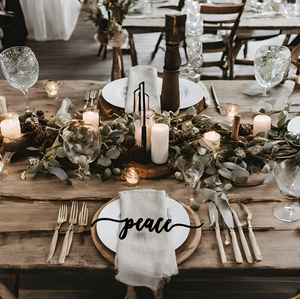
294	125
115	92
108	231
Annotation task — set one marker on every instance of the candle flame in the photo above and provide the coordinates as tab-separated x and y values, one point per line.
298	79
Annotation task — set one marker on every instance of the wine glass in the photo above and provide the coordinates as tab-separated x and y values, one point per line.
21	69
82	144
271	65
287	175
192	173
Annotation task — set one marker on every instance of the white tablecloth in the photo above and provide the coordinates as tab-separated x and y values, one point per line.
50	19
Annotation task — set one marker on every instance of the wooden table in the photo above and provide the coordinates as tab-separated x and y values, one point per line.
29	209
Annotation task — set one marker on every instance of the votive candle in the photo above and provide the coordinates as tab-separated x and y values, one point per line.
3	104
262	123
213	138
91	117
231	111
52	88
160	143
132	176
10	127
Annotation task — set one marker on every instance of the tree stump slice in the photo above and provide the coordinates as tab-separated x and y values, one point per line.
182	253
153	171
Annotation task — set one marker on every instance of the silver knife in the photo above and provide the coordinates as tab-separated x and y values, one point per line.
246	215
214	220
242	237
225	211
216	99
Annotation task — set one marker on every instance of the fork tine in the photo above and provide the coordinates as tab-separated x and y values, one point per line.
65	212
86	216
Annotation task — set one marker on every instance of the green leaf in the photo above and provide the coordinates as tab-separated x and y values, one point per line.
227	187
260	134
240	176
104	161
60	173
201	151
210	170
282	118
35	168
106	174
225	126
198	188
224	172
60	152
267	145
191	111
131	127
210	194
53	163
269	178
31	148
232	166
180	163
115	134
113	153
106	130
266	168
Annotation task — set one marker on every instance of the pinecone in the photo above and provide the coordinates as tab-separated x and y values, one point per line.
40	137
27	127
131	154
245	129
39	113
179	136
129	142
43	121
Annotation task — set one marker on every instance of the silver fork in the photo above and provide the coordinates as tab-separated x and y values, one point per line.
87	98
69	234
83	220
62	217
93	96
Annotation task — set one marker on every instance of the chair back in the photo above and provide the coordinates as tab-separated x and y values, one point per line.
6	17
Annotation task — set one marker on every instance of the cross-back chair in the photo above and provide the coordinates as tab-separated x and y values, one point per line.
225	18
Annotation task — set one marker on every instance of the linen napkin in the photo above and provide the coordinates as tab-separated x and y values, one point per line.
136	75
145	258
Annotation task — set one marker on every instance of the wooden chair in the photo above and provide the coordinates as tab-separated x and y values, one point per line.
229	19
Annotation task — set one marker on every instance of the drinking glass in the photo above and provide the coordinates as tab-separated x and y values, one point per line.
20	68
287	175
82	144
192	173
271	65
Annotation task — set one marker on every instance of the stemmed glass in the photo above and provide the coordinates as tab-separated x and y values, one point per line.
21	69
82	144
192	173
287	175
271	65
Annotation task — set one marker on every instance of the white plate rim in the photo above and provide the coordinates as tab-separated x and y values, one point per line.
290	126
109	238
195	92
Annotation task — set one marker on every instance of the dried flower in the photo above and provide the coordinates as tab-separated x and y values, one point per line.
239	152
23	175
255	150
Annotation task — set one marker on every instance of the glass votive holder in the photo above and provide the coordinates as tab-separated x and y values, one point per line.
52	87
231	111
10	115
91	116
132	176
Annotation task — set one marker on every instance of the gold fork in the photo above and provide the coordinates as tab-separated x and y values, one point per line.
69	234
83	220
62	217
93	96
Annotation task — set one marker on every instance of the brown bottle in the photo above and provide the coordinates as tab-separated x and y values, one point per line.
170	96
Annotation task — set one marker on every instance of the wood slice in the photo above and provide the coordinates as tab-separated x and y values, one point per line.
182	253
153	171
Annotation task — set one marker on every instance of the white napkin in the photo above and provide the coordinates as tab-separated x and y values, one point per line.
148	74
145	258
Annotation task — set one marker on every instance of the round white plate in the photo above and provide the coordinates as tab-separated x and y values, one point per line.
108	231
294	125
115	92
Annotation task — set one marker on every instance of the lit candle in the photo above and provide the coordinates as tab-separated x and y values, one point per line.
91	117
11	115
3	104
52	88
132	176
138	133
160	143
262	123
10	128
212	138
231	111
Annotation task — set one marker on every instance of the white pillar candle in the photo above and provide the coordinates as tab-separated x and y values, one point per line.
10	128
231	111
3	104
160	143
262	123
213	138
91	117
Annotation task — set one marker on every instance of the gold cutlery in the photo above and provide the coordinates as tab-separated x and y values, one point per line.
69	234
82	220
87	98
62	217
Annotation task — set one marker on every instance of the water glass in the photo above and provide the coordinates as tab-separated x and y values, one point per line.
147	7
